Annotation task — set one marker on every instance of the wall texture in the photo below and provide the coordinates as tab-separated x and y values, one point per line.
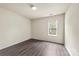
72	29
40	29
13	28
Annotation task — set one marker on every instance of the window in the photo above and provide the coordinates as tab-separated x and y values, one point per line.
52	27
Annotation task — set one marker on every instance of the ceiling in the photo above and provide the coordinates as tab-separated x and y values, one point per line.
43	9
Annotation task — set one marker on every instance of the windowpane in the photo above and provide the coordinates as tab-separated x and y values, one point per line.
52	27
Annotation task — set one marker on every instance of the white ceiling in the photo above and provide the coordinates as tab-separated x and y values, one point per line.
43	9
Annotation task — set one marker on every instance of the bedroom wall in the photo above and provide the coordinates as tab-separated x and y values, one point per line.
72	30
40	29
13	28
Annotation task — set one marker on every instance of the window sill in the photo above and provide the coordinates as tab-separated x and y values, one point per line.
51	35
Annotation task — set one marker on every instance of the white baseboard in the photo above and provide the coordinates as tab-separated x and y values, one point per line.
13	44
69	51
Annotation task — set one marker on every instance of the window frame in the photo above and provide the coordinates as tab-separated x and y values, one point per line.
49	27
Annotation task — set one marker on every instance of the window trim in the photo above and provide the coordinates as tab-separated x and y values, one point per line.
49	26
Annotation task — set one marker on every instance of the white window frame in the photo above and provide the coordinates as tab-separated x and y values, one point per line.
49	26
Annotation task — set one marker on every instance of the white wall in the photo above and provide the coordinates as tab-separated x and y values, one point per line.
13	28
40	29
72	29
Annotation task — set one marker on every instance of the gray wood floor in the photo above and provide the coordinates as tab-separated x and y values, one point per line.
35	48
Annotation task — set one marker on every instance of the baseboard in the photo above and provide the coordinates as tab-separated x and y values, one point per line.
14	44
69	51
49	41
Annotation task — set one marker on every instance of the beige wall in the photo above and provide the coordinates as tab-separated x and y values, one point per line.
13	28
72	29
40	29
